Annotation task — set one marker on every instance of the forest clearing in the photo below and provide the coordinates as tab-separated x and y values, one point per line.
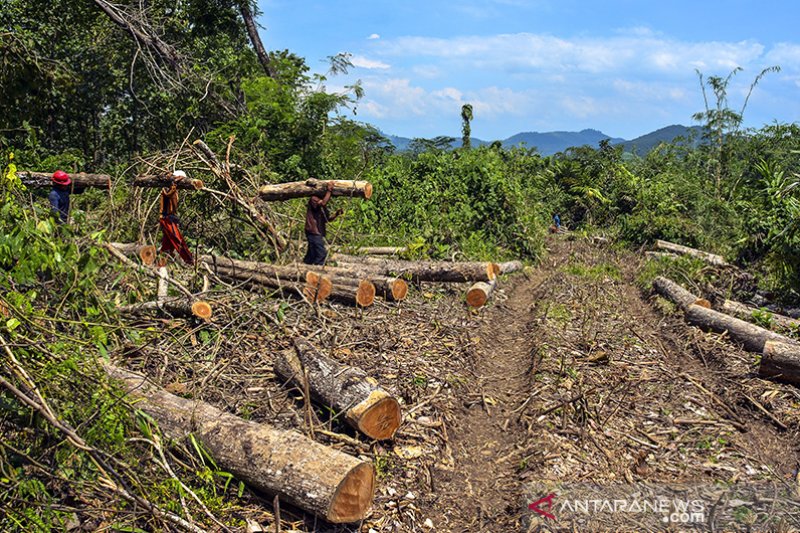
228	305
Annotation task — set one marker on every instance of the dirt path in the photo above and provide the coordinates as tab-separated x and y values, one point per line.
579	378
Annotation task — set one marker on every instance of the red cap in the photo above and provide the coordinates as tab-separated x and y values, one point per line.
61	178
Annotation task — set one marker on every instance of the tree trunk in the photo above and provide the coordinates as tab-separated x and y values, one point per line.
510	266
255	39
677	294
479	293
348	390
314	187
315	478
166	180
752	337
259	280
390	289
781	360
660	255
746	312
712	259
437	271
146	253
371	250
172	306
79	181
360	293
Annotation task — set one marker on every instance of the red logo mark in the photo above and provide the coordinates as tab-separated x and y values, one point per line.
546	500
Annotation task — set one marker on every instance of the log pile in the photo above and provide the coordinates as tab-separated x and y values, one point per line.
79	181
315	478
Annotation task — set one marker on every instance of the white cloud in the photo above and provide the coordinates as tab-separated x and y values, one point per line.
363	62
373	37
787	55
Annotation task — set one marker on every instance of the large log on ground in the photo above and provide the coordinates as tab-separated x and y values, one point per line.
436	271
747	312
147	253
361	292
253	279
781	360
510	266
660	255
79	180
479	293
371	250
677	294
712	259
314	187
174	306
751	337
166	180
348	390
391	289
311	476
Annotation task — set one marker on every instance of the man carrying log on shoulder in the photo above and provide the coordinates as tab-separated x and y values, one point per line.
59	196
172	240
317	217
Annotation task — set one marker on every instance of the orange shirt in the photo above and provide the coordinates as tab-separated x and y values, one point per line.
169	201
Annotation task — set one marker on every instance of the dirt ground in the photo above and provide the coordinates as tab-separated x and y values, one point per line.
570	375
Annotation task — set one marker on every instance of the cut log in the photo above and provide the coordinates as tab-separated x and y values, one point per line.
747	312
371	250
781	360
166	180
750	336
677	294
314	187
79	180
660	255
712	259
436	271
145	252
348	390
255	280
391	289
315	478
176	307
361	293
510	266
479	293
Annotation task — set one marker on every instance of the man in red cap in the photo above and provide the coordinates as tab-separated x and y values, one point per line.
59	195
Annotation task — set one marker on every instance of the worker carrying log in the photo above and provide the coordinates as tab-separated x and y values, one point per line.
317	217
172	240
59	196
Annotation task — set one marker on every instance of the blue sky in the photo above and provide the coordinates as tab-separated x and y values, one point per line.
625	67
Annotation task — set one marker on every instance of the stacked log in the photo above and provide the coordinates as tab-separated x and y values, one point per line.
712	259
166	180
318	479
314	187
435	271
364	405
80	180
147	253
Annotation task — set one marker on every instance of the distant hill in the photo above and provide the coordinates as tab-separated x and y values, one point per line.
549	143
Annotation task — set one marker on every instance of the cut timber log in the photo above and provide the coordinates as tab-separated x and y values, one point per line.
436	271
146	253
318	479
479	293
172	306
391	289
781	360
371	250
255	280
510	266
314	187
677	294
746	312
358	292
348	390
166	180
749	335
660	255
712	259
79	181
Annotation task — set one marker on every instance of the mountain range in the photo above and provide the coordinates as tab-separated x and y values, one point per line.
549	143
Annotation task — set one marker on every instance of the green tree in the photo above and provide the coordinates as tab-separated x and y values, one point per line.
466	130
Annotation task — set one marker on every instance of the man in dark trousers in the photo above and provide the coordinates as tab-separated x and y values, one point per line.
317	217
59	195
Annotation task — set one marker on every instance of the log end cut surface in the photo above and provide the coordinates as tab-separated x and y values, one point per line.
365	295
368	191
147	254
399	290
318	288
493	270
353	496
381	419
477	295
201	309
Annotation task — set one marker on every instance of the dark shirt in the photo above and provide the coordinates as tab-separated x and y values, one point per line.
59	202
317	216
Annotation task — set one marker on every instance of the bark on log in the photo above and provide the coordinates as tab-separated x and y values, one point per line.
391	289
660	255
746	312
314	187
712	259
145	252
79	180
348	390
362	293
166	180
258	280
255	39
371	250
176	307
479	293
781	360
510	266
751	337
318	479
436	271
677	294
